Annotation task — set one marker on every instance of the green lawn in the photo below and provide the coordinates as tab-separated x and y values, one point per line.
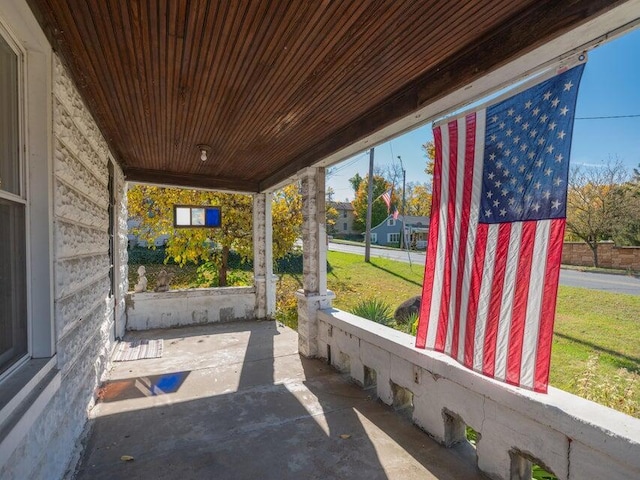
596	349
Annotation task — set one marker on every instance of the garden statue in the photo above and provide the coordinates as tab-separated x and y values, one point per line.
162	281
141	286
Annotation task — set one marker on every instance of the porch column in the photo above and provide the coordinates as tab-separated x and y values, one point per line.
263	256
314	294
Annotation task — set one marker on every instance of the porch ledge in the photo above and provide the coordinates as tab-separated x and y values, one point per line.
196	306
561	430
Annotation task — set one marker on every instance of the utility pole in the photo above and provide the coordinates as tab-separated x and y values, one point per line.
367	236
404	178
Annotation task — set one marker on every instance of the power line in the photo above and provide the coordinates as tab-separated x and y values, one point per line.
608	117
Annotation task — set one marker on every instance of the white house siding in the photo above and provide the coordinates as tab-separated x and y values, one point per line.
84	314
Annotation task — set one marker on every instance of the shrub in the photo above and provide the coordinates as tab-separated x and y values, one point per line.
617	392
146	256
374	309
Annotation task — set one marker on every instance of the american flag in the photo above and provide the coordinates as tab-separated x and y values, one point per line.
497	226
386	196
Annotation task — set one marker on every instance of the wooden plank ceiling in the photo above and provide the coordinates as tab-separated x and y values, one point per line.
275	85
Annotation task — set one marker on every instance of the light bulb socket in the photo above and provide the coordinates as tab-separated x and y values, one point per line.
205	151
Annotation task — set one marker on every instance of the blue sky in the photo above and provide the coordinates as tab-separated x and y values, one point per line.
610	86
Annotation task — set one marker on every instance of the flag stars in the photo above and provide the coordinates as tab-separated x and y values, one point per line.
541	141
497	183
489	194
513	181
505	172
525	126
519	210
559	158
493	137
509	132
557	182
528	104
494	119
538	163
546	194
555	204
535	207
515	160
487	213
547	96
502	125
518	118
491	176
567	86
555	102
522	168
528	197
496	203
507	152
500	145
550	149
523	147
548	172
516	139
499	164
564	111
533	133
561	134
537	185
535	111
505	192
512	201
544	118
553	125
492	156
503	212
531	155
510	112
520	189
529	176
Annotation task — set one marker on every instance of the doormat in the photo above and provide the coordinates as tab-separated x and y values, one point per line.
138	350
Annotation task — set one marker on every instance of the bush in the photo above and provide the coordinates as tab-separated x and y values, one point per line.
374	309
146	256
617	392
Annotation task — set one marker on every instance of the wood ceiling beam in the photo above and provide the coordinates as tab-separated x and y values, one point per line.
529	29
159	177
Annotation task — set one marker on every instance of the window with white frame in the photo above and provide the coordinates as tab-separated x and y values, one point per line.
13	213
393	238
374	237
391	222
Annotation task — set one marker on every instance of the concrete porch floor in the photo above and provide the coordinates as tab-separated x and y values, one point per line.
236	401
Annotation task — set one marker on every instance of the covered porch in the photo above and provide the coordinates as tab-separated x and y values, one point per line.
247	97
236	400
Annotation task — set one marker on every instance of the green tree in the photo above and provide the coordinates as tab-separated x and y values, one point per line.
597	206
418	199
379	207
429	149
355	182
153	206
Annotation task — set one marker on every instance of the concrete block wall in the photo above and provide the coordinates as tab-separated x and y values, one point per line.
190	307
609	256
573	437
84	313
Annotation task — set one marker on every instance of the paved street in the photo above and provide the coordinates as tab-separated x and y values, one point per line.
572	278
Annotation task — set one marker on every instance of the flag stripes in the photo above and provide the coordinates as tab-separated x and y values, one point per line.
489	293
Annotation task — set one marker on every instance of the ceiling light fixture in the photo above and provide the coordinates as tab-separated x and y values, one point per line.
205	151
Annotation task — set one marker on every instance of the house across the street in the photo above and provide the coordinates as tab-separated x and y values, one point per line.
416	230
344	222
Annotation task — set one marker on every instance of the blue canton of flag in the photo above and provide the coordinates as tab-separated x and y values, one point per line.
526	155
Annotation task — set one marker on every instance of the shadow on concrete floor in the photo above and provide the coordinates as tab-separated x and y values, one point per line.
236	401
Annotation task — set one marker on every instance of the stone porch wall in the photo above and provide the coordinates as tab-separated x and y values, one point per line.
190	307
609	256
573	437
84	312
